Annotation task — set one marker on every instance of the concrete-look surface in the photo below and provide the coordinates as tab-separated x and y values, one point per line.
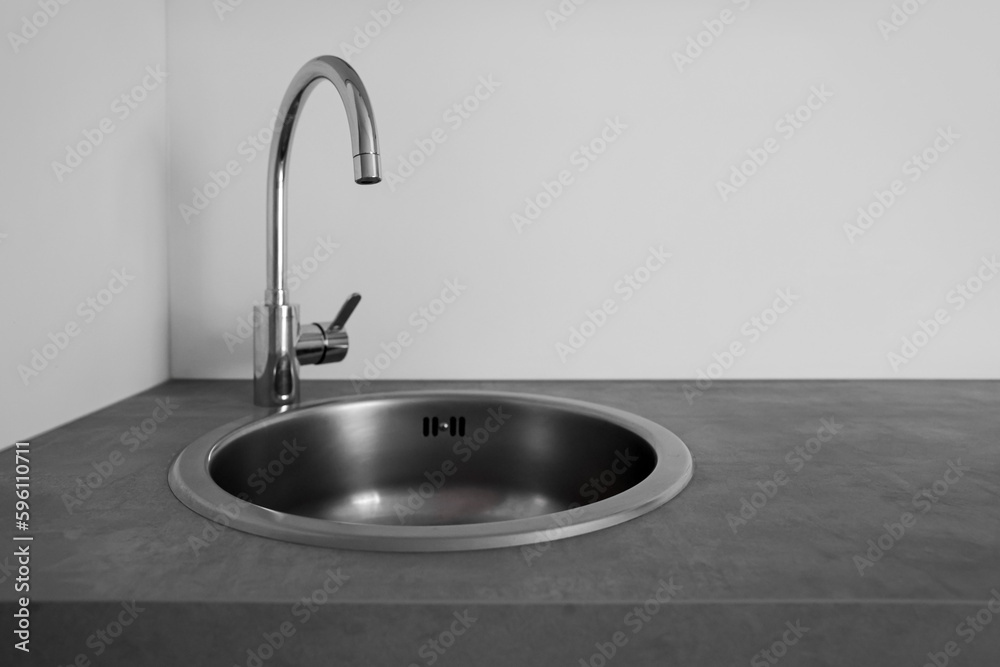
827	523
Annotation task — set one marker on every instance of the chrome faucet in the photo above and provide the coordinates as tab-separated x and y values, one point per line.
279	345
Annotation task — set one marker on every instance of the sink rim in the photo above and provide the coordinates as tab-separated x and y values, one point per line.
191	482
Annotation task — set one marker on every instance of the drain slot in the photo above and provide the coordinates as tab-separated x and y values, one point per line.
432	426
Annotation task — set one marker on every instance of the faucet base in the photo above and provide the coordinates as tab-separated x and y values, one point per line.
275	367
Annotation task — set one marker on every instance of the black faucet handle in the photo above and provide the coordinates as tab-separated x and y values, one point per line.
345	313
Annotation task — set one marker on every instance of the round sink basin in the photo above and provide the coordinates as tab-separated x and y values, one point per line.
432	471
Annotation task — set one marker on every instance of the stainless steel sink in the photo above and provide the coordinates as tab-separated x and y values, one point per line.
432	471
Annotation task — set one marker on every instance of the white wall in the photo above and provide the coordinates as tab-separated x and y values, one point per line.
64	234
656	184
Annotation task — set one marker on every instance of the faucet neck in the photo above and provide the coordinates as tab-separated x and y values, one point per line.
280	344
364	145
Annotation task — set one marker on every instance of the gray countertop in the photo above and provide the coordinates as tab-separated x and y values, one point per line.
913	465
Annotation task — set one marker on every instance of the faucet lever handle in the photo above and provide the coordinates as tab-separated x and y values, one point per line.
326	342
345	313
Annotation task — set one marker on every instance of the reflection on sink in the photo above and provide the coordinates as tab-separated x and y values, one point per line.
432	471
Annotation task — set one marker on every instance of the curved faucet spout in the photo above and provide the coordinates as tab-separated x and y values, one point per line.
280	345
364	145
